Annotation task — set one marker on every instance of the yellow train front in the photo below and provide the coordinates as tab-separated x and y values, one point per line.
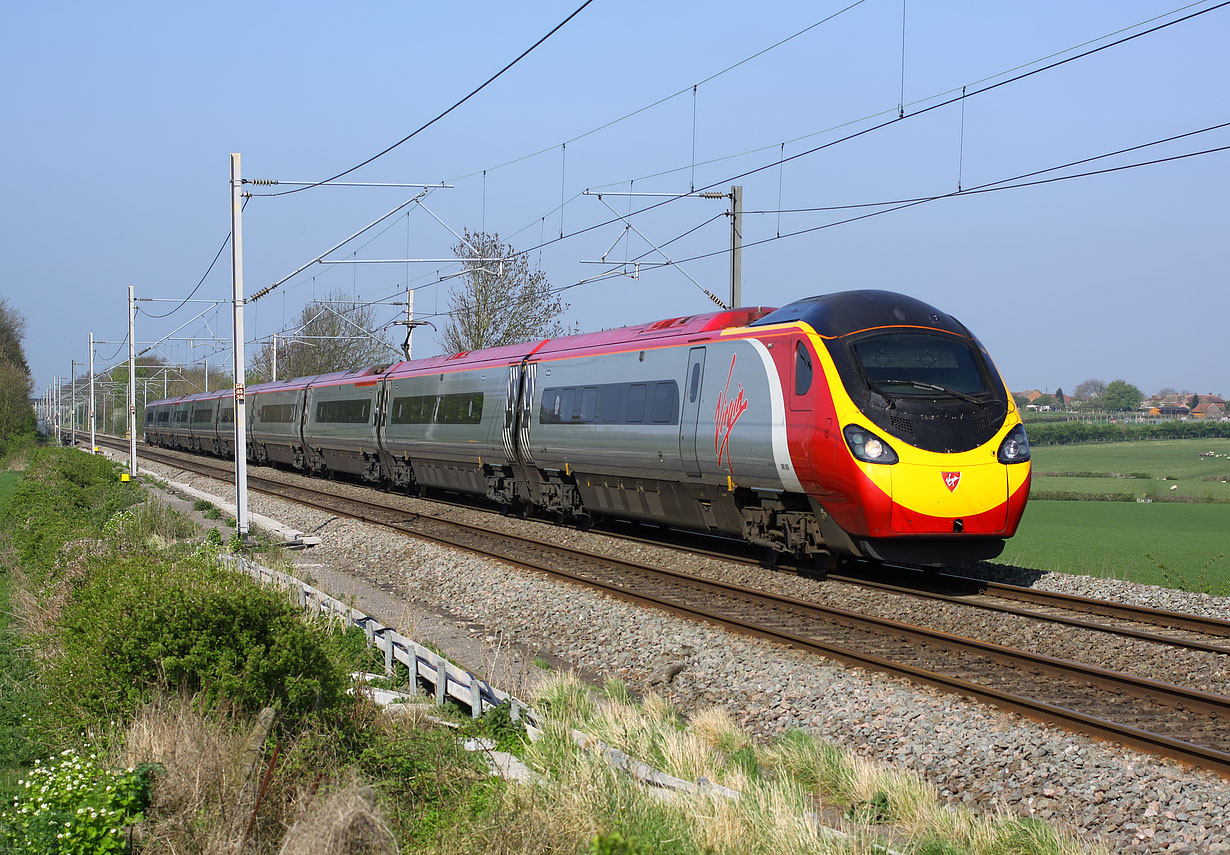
914	449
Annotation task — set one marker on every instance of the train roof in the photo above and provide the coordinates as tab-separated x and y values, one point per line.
846	312
651	333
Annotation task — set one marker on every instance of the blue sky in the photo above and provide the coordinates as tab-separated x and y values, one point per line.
119	120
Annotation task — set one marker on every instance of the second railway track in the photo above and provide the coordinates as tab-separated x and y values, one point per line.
1179	722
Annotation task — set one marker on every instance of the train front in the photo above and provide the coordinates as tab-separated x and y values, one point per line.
928	462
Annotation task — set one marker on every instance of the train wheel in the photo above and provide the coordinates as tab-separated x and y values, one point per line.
769	557
583	522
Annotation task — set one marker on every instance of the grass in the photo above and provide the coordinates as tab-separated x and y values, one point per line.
1114	540
1170	543
1171	463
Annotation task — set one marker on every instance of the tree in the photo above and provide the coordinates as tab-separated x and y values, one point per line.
499	304
1059	398
1121	396
1166	392
1021	400
1044	401
1090	390
1193	401
16	413
330	334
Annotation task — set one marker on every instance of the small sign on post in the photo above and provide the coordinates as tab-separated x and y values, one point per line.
239	392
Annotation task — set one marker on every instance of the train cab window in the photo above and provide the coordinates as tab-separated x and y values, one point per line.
694	384
664	405
589	404
802	369
636	403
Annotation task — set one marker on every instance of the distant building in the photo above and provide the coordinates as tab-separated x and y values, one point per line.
1209	410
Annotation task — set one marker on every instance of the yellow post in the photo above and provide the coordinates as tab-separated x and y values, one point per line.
124	477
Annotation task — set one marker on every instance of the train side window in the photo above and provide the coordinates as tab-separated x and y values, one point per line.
609	395
567	398
663	403
589	403
802	370
227	415
694	386
636	404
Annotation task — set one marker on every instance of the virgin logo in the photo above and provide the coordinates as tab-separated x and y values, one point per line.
727	414
951	480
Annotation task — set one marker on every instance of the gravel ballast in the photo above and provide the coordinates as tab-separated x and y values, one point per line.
973	754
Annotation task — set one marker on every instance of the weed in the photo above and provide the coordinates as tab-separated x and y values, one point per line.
1203	581
72	805
202	505
540	662
211	513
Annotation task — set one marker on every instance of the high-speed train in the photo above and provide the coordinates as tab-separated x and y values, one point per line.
857	424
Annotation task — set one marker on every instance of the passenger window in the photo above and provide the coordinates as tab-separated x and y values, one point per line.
567	398
663	403
636	403
589	403
802	370
695	385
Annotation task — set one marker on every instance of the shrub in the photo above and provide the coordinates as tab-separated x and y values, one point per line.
65	494
73	806
141	624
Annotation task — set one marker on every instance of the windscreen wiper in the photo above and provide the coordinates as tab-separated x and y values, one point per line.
918	384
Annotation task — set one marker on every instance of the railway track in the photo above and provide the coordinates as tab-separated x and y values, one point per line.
1161	718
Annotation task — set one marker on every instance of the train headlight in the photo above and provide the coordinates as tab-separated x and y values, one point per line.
1015	447
868	447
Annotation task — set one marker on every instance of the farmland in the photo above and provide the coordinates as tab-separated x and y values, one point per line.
1116	538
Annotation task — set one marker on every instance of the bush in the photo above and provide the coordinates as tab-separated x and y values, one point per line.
140	624
65	494
1070	433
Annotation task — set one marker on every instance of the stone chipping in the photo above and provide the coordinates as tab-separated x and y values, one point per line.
973	754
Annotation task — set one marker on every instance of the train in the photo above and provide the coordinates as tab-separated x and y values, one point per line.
861	424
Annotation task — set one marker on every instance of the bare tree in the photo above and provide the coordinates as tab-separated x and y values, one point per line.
331	334
499	303
1091	389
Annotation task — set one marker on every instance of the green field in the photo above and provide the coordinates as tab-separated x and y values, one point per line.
1114	539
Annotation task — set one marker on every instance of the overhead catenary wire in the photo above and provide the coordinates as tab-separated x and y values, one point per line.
970	192
894	120
457	104
983	187
914	103
192	294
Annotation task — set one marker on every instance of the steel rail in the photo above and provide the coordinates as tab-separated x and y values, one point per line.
1180	698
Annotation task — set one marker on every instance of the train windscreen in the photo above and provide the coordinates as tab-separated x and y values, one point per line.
919	364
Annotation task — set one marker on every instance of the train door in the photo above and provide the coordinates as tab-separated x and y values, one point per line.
803	412
691	410
513	394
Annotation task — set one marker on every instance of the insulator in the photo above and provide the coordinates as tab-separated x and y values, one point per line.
712	195
263	182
